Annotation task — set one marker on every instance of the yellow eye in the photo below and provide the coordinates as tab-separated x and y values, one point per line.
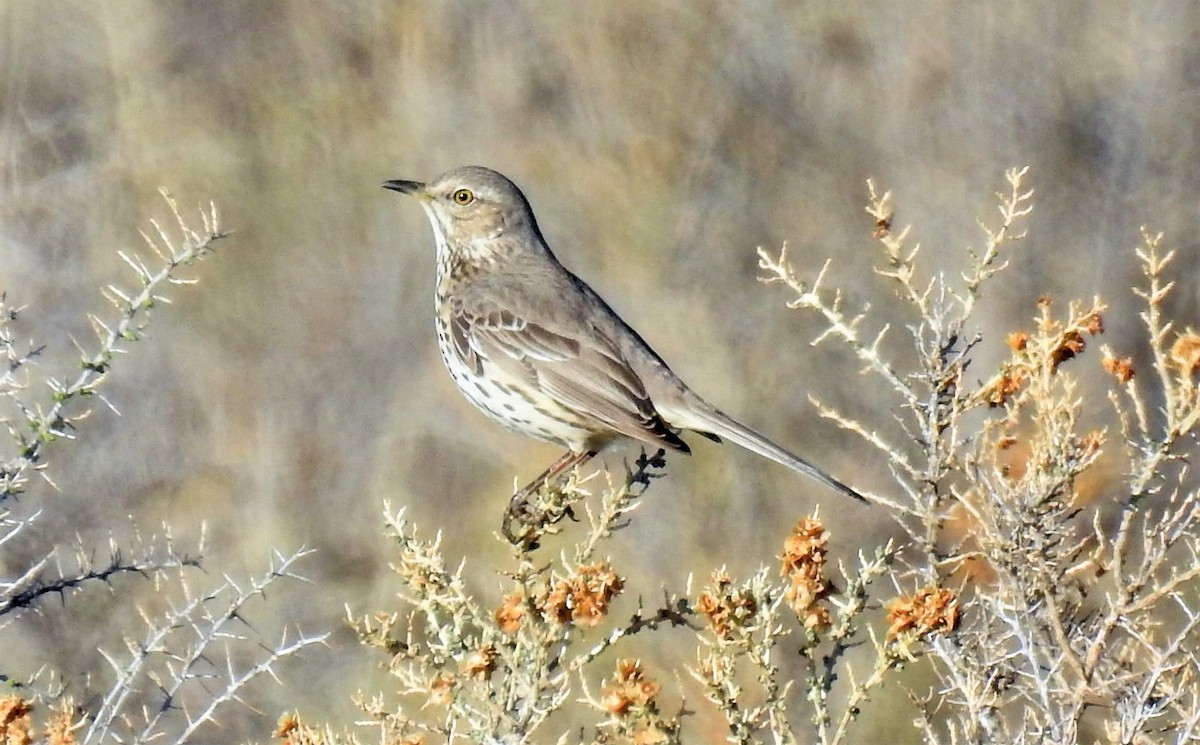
463	196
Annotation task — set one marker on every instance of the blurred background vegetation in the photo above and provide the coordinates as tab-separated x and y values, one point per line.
299	385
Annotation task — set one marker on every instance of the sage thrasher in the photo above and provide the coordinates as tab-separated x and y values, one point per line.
537	350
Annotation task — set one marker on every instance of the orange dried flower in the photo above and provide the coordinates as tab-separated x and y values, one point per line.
803	563
1091	442
558	603
818	618
1121	369
712	609
287	723
629	689
511	613
60	730
482	662
1017	341
441	691
883	226
15	722
583	598
725	609
929	611
1070	345
805	547
1003	387
1185	352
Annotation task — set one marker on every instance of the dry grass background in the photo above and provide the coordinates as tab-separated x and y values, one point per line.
298	386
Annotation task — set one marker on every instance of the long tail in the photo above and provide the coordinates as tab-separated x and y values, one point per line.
715	422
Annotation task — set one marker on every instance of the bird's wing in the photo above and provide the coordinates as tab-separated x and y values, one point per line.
565	358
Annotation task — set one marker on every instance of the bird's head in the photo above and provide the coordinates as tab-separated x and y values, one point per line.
471	208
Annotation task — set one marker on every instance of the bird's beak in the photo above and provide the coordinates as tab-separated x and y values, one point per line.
416	188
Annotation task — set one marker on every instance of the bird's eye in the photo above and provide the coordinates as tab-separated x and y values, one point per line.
463	196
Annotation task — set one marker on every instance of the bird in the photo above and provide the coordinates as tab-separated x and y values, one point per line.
536	349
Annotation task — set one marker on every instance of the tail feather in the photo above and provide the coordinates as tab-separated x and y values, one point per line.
715	423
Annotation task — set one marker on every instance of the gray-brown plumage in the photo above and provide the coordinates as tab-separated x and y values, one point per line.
538	351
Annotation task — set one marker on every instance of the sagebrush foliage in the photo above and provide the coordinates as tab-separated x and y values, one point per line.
172	675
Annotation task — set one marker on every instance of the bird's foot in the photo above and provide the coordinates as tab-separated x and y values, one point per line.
531	513
533	510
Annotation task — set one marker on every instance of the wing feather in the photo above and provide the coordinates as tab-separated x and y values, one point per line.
583	371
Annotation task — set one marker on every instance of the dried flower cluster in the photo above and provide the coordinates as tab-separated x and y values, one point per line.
1044	350
15	720
581	598
629	697
804	567
1185	352
584	596
481	663
932	610
728	609
629	690
1121	369
17	726
511	613
292	731
441	690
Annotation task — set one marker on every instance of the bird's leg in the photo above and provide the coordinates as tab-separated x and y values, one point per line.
521	512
